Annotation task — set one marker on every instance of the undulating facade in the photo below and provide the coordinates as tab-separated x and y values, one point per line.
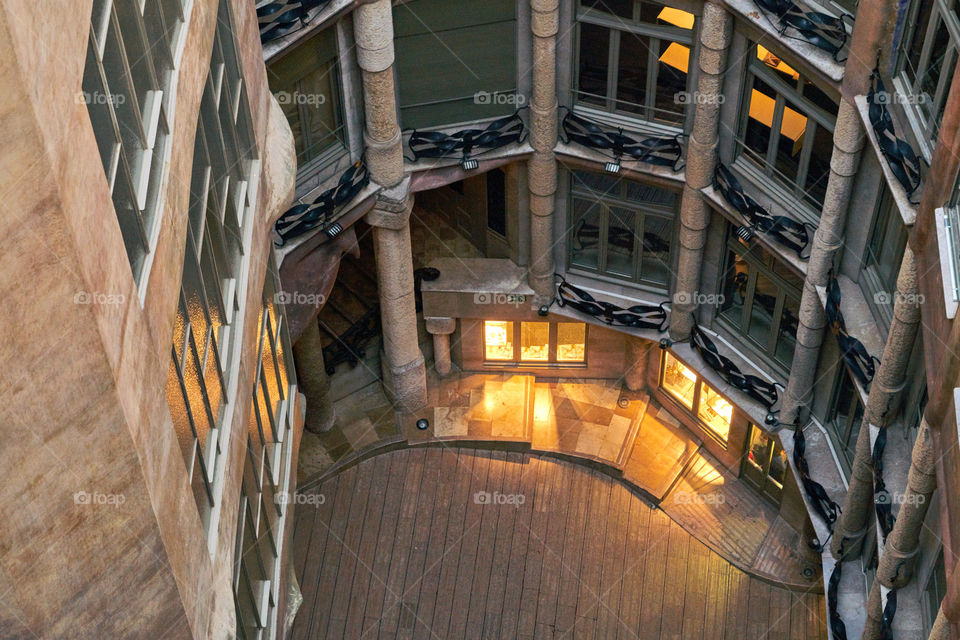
501	319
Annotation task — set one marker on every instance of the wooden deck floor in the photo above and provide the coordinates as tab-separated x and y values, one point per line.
403	548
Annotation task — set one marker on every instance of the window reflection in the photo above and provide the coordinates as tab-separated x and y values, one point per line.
498	339
534	341
571	342
715	411
679	380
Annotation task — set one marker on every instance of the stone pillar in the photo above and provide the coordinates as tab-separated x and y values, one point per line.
827	240
542	167
941	627
716	28
873	624
440	329
313	381
638	354
404	374
900	551
885	392
373	31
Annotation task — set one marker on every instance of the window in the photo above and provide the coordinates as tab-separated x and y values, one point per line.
764	467
884	253
455	65
133	51
202	354
713	411
634	57
760	299
933	592
497	202
787	130
846	416
926	57
306	84
621	229
266	483
548	343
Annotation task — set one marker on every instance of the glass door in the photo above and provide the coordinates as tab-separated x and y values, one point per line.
764	466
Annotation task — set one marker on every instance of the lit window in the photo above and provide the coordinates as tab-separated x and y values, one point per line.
534	341
571	342
715	411
498	339
679	380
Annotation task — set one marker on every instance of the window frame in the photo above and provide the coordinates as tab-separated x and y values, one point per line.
694	412
757	473
655	33
886	219
551	361
845	440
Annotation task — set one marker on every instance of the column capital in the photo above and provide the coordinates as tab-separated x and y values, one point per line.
373	32
393	207
440	326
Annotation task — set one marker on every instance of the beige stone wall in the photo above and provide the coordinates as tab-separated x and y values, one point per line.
84	408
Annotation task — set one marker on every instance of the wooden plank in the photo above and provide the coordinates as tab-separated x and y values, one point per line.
490	516
436	543
314	560
451	559
569	591
654	576
334	548
716	605
759	609
698	586
393	597
636	557
536	548
779	623
591	560
503	547
553	548
612	571
353	625
677	573
816	617
469	548
798	619
513	591
423	523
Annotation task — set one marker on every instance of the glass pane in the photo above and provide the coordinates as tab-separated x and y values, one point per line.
793	128
585	239
620	241
655	257
734	289
632	72
756	138
787	331
818	169
761	313
929	77
571	342
679	380
534	341
498	339
914	46
715	411
785	72
621	8
758	451
674	61
654	13
318	103
778	466
594	62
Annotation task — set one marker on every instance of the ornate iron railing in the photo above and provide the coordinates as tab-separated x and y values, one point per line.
639	316
661	151
277	19
819	29
350	345
881	497
784	230
306	217
822	503
854	354
836	622
467	142
901	159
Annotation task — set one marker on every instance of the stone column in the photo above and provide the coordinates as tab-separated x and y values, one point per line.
313	381
885	392
941	627
404	374
873	624
542	167
847	143
440	329
638	354
373	31
716	28
900	551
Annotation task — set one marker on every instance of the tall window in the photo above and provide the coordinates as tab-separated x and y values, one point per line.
881	262
621	229
306	83
713	412
761	301
634	57
926	58
455	64
133	51
787	129
547	343
266	488
202	354
933	592
846	417
764	466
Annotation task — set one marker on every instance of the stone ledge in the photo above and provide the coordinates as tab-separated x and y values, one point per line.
319	19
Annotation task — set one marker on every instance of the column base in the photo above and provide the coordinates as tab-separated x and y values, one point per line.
406	385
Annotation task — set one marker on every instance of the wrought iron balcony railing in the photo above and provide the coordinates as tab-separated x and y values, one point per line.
467	142
819	29
281	17
613	143
306	217
854	354
901	159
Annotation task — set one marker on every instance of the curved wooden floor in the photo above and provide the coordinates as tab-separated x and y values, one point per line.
401	547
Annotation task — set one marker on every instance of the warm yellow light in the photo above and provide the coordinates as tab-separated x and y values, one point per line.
687	373
715	411
677	17
792	125
496	334
498	339
772	61
677	56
